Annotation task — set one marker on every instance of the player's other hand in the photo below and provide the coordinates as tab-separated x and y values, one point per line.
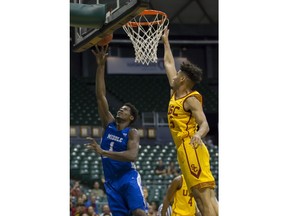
94	146
196	141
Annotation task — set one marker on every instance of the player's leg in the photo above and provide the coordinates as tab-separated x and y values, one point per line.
116	202
205	199
214	201
195	166
205	189
133	194
199	204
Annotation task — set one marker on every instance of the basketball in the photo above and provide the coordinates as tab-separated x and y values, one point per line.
106	40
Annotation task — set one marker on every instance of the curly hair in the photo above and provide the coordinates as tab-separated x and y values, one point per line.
134	111
192	71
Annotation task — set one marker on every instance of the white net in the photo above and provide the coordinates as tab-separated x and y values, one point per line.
145	31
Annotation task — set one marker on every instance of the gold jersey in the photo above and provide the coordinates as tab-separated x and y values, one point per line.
181	122
184	204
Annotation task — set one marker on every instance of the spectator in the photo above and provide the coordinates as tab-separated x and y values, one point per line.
80	209
154	207
80	200
72	205
151	211
106	210
92	203
160	168
146	194
76	190
171	170
91	211
97	191
84	198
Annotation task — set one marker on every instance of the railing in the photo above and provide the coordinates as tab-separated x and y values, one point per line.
156	119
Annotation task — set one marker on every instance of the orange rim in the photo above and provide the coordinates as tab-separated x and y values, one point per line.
149	13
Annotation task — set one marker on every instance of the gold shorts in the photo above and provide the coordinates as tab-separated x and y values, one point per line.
195	165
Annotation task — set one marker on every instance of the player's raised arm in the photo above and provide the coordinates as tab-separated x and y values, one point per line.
103	107
169	63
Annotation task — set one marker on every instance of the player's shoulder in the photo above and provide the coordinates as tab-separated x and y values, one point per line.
194	96
133	131
178	179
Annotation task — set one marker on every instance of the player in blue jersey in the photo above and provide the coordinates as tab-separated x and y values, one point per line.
119	150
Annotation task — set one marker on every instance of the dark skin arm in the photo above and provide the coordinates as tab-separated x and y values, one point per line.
103	107
174	186
130	155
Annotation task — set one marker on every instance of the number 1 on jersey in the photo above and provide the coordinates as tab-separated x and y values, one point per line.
111	146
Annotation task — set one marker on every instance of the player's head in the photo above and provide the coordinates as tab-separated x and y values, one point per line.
188	75
127	112
193	72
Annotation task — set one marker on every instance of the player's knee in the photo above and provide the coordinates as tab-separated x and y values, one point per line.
202	198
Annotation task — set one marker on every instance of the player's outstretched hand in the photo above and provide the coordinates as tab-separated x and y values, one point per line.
101	54
165	35
94	146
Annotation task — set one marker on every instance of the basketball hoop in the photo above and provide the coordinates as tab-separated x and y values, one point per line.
145	31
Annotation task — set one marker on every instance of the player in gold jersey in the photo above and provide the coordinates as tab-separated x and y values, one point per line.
183	203
188	125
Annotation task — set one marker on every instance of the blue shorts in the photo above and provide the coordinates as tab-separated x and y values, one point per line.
125	194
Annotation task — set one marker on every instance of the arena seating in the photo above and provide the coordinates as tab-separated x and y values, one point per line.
83	105
86	166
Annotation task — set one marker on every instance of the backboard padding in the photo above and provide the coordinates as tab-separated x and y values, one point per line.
114	21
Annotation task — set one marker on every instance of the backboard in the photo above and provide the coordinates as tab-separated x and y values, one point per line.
118	13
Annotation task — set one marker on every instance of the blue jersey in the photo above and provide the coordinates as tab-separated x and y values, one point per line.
115	140
122	181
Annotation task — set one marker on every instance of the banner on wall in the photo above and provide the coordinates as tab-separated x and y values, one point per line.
118	65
